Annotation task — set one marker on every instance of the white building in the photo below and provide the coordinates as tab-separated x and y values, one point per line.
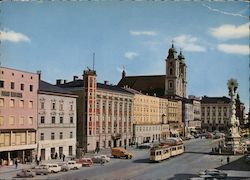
56	122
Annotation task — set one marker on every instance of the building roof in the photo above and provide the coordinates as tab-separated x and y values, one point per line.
146	84
209	100
47	87
79	83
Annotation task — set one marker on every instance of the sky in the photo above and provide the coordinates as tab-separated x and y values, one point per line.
59	38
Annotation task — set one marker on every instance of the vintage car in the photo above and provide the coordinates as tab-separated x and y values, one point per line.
26	173
85	162
41	170
214	173
70	165
100	159
53	168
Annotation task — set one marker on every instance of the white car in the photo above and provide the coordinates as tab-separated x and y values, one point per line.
214	173
53	168
71	165
26	173
39	170
101	158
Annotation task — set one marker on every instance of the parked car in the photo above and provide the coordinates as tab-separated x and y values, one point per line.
53	168
85	162
215	173
71	165
101	158
26	173
121	152
41	170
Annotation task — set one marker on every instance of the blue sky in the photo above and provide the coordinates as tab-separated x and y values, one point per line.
59	38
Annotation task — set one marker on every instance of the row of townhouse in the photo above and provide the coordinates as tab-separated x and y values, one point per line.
37	119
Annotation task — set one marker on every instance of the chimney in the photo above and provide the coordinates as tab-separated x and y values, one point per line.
75	78
39	74
58	81
106	82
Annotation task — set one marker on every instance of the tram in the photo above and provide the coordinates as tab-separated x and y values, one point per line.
164	150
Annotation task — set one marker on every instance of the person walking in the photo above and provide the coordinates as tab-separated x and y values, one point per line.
63	157
16	163
228	159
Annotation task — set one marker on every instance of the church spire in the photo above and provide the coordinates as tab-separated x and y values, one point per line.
172	51
123	73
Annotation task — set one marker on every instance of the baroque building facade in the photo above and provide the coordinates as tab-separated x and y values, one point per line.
56	122
18	114
215	113
104	113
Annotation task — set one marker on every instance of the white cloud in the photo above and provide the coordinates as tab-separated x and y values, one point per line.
224	12
143	33
189	43
234	49
228	31
130	55
13	36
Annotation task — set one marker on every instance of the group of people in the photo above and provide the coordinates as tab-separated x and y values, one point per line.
55	156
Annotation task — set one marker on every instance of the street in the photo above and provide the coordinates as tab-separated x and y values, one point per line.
195	159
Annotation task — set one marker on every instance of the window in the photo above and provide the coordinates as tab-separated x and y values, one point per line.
42	105
22	87
30	121
53	106
71	107
61	120
52	136
31	88
1	121
170	85
11	120
71	135
71	120
170	71
61	135
12	103
21	103
42	136
1	84
70	150
42	120
21	120
53	119
30	104
1	102
12	85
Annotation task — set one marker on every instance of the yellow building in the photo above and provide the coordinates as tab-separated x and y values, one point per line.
174	117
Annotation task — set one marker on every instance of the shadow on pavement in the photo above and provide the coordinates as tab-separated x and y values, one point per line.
237	165
146	160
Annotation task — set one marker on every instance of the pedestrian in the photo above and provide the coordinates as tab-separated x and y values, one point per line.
228	159
63	157
56	156
221	161
40	159
37	161
16	163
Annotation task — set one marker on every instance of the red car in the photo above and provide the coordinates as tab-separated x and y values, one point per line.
85	162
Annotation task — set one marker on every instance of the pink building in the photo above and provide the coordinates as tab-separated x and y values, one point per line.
18	114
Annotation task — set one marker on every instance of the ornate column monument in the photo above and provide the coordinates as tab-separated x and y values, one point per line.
233	136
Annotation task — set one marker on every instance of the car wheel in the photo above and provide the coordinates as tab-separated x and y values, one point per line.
126	157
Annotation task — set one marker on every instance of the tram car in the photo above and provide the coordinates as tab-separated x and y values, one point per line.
164	150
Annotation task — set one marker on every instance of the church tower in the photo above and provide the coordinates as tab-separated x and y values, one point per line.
176	82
